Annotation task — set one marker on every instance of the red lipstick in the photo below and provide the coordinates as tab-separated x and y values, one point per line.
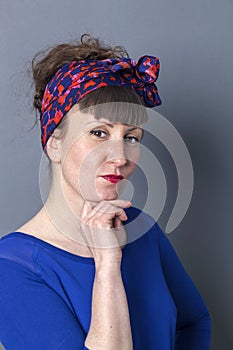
113	178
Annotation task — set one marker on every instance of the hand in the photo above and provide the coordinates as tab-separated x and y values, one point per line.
102	229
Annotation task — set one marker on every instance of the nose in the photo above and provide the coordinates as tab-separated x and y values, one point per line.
117	154
119	162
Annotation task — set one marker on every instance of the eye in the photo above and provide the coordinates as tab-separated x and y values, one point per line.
97	133
132	139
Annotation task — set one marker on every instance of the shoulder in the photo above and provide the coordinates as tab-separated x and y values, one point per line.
140	223
138	215
17	250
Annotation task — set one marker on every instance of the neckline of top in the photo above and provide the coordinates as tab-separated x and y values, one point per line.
60	251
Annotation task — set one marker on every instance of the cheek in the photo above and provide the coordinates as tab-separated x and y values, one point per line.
76	154
133	157
81	164
89	162
71	162
88	166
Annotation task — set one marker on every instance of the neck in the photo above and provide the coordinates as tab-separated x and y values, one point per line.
63	209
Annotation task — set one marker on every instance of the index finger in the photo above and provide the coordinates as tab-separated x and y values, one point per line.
87	208
120	203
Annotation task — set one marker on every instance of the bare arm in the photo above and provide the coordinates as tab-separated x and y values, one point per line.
110	324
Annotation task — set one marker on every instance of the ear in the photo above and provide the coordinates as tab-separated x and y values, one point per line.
54	149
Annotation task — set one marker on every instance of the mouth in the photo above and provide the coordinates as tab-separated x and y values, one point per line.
113	178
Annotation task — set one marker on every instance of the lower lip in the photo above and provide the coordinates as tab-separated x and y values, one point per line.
111	179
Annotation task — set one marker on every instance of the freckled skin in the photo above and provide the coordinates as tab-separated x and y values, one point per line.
94	149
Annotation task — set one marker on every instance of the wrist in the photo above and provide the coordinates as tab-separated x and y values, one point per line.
108	268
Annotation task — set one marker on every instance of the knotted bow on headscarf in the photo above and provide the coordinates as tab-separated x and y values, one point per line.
75	80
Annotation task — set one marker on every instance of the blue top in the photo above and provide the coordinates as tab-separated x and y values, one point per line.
46	294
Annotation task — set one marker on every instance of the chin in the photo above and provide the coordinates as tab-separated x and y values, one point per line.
107	195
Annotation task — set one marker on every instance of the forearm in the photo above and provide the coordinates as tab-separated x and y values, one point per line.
110	323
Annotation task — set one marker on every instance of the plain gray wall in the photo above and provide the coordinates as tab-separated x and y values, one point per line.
193	40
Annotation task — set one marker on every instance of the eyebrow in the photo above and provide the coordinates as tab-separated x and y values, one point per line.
112	126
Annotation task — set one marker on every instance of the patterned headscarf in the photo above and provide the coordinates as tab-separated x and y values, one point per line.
75	80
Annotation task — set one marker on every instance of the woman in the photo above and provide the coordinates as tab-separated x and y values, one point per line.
90	271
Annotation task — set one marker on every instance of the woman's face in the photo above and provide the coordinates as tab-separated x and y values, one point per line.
95	148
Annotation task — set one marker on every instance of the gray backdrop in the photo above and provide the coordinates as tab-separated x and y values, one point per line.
193	40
